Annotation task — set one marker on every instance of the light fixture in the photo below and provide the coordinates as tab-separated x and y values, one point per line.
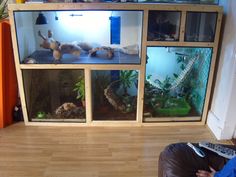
41	19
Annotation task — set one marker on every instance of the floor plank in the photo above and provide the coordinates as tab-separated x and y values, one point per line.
29	151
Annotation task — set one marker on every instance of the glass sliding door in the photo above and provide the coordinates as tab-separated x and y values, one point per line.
55	95
176	83
114	94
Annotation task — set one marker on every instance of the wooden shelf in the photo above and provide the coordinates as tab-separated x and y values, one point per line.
115	6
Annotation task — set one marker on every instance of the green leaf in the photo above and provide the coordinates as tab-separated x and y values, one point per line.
182	66
80	88
3	10
175	75
149	76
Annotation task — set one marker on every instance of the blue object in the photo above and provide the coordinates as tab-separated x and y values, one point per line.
229	169
115	75
115	29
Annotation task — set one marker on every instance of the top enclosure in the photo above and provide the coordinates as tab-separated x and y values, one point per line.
79	37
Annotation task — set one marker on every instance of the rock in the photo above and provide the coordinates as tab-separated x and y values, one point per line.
102	52
70	110
30	61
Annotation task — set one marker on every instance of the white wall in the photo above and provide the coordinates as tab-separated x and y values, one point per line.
221	117
25	34
161	63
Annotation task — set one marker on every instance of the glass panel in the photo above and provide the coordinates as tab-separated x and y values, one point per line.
200	27
183	1
114	94
163	26
176	83
79	37
55	95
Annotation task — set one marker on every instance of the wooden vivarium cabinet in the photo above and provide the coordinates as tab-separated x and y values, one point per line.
115	63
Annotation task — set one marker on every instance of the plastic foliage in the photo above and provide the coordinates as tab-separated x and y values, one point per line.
41	115
80	88
127	78
164	85
3	9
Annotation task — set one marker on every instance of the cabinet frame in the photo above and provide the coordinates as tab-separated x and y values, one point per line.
145	7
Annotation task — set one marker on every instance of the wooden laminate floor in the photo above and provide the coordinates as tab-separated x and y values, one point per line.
88	151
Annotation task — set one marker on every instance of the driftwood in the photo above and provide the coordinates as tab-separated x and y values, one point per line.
108	52
59	48
113	99
46	40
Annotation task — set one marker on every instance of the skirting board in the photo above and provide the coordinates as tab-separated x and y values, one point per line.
218	127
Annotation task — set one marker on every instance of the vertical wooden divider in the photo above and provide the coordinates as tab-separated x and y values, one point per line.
88	95
182	26
141	83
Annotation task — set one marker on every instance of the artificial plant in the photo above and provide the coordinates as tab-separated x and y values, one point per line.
127	78
3	9
164	85
80	89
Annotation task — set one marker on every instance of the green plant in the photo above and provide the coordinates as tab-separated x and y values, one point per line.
128	101
172	107
164	85
41	115
127	78
80	88
3	9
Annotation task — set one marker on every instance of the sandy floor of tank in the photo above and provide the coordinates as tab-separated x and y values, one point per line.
108	113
